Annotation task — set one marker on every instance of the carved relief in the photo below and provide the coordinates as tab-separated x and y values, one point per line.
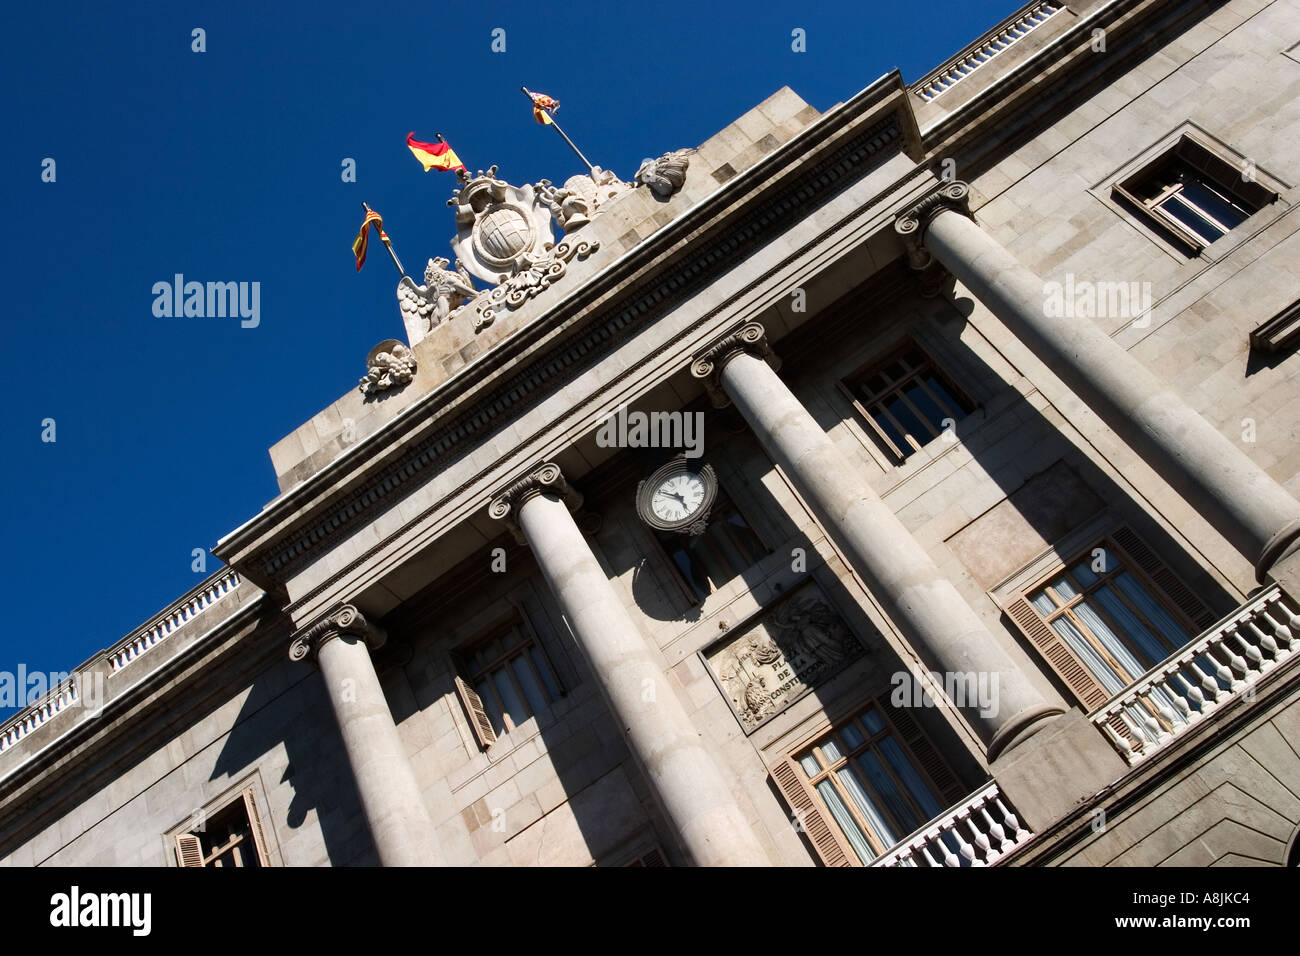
794	647
665	175
581	197
444	291
390	364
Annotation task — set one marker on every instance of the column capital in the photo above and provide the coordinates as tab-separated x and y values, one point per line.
339	620
546	478
749	339
911	223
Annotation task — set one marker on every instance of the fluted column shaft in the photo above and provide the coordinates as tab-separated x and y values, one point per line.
691	790
924	604
1238	497
395	810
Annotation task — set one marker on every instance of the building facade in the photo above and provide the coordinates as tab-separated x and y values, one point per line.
912	483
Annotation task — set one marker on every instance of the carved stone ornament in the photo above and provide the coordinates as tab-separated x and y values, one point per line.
665	175
911	223
343	619
581	197
791	649
426	306
707	365
390	364
546	478
541	275
501	230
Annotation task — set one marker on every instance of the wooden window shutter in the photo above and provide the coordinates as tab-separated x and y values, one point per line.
189	851
1058	654
824	836
479	721
1183	597
255	825
926	754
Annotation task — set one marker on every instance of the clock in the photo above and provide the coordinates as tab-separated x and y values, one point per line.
678	496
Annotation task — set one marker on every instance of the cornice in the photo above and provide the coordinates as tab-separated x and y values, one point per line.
729	240
1063	69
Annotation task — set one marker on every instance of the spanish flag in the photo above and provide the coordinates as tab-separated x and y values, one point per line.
543	105
430	155
359	243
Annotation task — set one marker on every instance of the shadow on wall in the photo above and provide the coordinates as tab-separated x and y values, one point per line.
287	705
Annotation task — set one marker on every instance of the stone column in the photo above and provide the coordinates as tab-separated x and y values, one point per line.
924	604
1251	510
395	810
690	788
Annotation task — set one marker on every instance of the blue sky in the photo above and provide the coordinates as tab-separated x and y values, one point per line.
226	165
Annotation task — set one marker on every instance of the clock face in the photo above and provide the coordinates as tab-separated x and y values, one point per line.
677	497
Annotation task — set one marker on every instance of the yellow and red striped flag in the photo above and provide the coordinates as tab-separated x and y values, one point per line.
431	155
363	237
543	105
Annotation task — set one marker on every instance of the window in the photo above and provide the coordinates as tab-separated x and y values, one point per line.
726	548
1106	617
1192	195
907	401
653	858
230	836
507	681
876	779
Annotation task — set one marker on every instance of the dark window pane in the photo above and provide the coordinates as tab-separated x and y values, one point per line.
911	424
543	668
888	428
509	697
946	395
1211	200
926	405
532	690
1190	218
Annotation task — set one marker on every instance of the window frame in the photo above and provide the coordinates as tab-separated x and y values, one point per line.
1161	578
252	796
1124	563
852	387
830	845
1216	163
467	679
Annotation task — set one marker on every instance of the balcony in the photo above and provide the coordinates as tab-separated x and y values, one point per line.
979	831
1222	664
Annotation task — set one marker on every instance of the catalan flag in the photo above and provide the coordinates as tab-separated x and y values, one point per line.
543	106
359	243
431	155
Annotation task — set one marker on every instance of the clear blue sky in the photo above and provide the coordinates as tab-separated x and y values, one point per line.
225	166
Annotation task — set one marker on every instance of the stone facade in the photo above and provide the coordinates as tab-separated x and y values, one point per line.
418	521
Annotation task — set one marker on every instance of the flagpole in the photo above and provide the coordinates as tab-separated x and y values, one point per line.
462	174
383	237
563	135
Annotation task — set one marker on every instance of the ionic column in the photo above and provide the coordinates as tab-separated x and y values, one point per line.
691	790
923	603
395	810
1251	510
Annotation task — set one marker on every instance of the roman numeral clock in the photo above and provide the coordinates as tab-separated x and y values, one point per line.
678	496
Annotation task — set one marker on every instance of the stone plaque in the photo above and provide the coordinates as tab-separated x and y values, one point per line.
792	648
